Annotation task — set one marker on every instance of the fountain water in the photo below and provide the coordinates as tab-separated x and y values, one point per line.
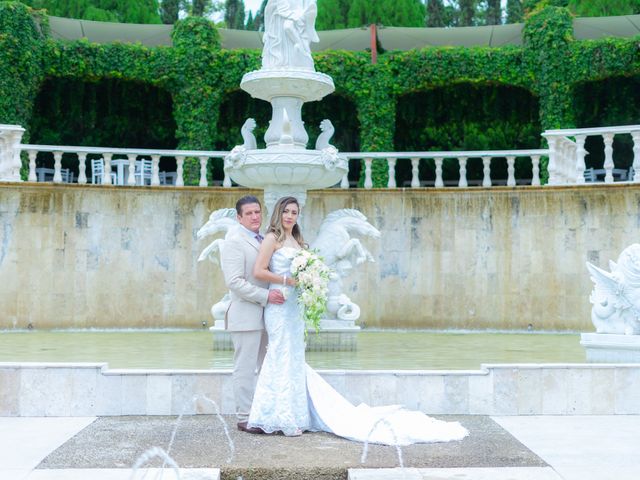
287	80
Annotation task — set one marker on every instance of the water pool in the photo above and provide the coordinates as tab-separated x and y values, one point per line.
377	350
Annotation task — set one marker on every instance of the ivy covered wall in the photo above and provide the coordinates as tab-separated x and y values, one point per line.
551	73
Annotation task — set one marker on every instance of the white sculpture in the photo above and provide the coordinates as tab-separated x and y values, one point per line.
222	220
341	253
326	127
289	30
10	164
238	154
616	294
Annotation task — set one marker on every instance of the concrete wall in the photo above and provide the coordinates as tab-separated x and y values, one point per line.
59	389
93	256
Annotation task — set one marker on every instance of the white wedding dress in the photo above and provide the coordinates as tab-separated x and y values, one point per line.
291	397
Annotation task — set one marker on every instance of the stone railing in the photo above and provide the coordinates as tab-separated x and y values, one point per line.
127	157
488	157
567	154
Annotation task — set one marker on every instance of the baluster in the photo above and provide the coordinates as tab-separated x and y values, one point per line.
106	177
553	156
635	168
608	157
131	177
82	168
155	170
32	165
511	171
391	183
580	154
535	169
415	172
344	183
57	167
203	171
439	183
486	171
368	182
463	171
179	171
226	182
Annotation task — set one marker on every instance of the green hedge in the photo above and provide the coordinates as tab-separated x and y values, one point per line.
199	77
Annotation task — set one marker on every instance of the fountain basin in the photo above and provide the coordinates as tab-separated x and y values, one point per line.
289	171
307	85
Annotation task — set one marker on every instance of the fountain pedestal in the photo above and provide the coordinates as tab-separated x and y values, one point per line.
611	347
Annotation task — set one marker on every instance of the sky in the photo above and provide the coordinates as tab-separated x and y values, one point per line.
252	5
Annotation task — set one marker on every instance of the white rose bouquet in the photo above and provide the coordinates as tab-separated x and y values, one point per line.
312	277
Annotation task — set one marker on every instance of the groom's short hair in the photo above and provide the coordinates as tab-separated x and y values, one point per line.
247	199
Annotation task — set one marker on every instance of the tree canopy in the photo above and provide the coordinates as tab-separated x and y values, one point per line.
334	14
125	11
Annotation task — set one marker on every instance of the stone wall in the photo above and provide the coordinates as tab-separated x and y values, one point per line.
91	256
61	389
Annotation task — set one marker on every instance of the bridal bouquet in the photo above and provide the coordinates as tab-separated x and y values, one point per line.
312	277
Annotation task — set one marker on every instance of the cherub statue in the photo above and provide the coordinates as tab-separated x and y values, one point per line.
341	253
616	294
222	220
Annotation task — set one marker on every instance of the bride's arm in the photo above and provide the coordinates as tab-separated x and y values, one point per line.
261	268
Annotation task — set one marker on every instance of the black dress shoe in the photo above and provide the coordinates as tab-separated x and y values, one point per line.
242	426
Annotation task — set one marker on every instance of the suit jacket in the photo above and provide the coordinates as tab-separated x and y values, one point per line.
248	294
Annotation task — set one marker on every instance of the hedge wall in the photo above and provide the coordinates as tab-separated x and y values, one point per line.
200	77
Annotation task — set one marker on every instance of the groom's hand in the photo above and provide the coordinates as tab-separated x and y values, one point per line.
275	296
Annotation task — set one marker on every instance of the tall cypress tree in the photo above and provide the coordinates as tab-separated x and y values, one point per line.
467	12
332	14
249	23
125	11
169	10
494	12
435	13
234	14
514	11
258	20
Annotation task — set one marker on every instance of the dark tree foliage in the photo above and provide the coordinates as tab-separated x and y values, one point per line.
613	101
169	10
467	12
109	112
514	11
435	13
467	117
125	11
234	14
603	8
494	12
333	14
258	21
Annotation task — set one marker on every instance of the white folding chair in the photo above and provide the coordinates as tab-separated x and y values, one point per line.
97	171
144	169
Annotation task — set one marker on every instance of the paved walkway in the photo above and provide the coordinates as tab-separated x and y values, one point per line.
498	448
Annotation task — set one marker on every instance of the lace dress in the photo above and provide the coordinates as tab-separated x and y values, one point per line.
280	399
291	397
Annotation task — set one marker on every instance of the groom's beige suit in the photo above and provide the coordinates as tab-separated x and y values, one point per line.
245	316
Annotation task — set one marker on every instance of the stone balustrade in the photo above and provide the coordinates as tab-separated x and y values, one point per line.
567	153
488	157
132	155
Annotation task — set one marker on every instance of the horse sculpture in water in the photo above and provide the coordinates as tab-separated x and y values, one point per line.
341	253
222	220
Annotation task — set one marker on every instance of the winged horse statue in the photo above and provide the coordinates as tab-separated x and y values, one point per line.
341	253
222	220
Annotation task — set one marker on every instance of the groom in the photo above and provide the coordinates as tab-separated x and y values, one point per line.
249	296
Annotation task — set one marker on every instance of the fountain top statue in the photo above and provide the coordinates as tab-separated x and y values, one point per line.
289	31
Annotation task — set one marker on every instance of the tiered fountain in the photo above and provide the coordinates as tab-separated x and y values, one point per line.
287	80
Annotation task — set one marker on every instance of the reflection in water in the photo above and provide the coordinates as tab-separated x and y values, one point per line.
377	350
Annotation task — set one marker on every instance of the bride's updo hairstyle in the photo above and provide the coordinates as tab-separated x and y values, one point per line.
275	225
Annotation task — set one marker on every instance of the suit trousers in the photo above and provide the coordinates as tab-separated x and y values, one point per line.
249	348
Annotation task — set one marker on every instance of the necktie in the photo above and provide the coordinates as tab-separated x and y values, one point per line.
259	238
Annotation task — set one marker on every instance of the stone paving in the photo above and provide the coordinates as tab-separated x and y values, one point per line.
498	448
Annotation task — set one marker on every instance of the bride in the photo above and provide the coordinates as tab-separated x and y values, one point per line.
291	397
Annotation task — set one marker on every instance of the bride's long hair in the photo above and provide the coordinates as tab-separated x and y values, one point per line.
275	225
